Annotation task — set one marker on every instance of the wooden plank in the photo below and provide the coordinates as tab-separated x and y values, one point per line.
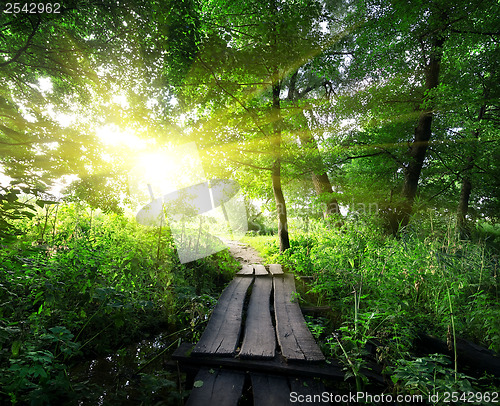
270	390
294	338
246	270
260	269
277	365
478	358
275	269
310	389
222	334
259	340
218	388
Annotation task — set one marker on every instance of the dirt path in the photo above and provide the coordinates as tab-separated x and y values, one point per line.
243	253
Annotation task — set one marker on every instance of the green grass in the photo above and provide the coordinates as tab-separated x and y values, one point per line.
266	245
427	281
86	284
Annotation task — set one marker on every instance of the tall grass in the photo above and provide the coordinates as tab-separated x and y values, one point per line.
428	280
415	278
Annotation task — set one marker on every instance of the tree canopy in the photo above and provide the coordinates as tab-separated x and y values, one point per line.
381	102
360	138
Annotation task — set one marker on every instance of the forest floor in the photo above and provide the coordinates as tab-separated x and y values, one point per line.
243	253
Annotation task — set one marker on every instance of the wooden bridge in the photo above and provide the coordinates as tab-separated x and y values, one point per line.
256	346
257	349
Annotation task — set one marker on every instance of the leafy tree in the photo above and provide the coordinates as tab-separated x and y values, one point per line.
305	126
396	77
238	85
63	75
47	77
473	88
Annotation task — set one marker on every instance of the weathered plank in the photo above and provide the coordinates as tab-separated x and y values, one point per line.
294	338
275	269
478	358
259	340
260	270
246	270
221	336
217	388
277	365
270	390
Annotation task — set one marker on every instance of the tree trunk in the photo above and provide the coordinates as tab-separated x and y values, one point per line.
280	207
480	359
321	183
463	206
418	148
275	143
276	171
465	193
320	180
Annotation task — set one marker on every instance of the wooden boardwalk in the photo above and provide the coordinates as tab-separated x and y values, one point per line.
256	342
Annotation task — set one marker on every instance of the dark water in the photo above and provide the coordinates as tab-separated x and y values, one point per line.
134	375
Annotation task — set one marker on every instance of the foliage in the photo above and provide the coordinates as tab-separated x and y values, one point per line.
91	283
40	49
394	104
392	289
431	376
12	208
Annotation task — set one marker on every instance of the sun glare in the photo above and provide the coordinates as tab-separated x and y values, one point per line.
156	170
45	85
169	169
112	135
4	179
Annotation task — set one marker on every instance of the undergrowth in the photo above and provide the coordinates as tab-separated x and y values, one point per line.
393	288
78	283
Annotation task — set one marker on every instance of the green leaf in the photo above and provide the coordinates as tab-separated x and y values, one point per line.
16	346
38	370
198	384
119	322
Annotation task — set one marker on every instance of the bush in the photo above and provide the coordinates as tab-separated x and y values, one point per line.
78	283
422	281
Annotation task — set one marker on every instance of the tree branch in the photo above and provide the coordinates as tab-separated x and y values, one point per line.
349	158
491	34
234	30
24	48
441	159
249	164
442	190
238	101
252	151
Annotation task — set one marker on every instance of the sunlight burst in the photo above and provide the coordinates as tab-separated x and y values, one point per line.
167	169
